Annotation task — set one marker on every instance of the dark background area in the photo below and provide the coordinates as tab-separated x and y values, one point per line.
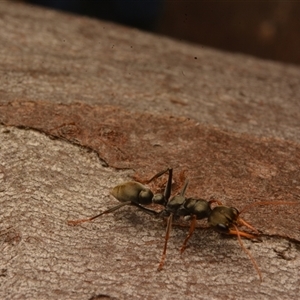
266	29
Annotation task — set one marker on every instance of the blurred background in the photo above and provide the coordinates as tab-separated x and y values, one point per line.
267	29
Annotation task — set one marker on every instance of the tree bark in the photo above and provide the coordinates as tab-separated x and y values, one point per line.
86	105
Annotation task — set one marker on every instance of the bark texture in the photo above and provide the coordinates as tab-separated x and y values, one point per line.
85	105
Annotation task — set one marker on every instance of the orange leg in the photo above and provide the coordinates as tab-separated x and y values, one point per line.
80	221
168	231
238	233
191	231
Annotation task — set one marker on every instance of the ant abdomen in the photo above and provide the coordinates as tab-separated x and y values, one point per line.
132	191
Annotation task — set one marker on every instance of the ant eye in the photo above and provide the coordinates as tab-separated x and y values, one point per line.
222	228
236	212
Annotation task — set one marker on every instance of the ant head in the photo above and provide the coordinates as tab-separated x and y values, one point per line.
222	218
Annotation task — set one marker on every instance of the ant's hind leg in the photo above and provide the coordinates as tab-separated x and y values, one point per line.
168	231
80	221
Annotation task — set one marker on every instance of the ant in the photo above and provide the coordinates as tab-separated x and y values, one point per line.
221	218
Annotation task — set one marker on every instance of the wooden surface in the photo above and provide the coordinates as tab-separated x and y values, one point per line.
102	103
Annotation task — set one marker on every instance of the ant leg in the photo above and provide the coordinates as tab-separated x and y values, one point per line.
254	263
184	188
168	230
145	209
160	174
167	192
169	183
191	231
80	221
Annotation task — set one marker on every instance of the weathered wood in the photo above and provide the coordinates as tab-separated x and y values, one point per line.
142	102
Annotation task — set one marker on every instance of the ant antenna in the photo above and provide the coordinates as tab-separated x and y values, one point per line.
254	263
263	203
